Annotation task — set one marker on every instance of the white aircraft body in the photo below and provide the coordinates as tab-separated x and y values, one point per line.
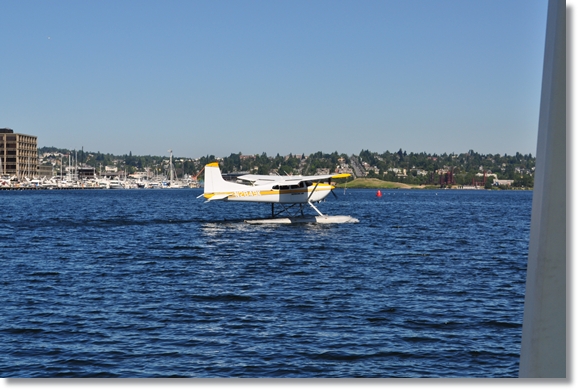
283	190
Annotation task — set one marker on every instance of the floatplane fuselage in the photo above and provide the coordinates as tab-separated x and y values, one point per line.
283	190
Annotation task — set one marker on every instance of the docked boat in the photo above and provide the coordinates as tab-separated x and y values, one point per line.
114	184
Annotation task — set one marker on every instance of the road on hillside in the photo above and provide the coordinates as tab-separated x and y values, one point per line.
358	170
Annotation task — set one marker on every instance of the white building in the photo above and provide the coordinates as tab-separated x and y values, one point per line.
502	182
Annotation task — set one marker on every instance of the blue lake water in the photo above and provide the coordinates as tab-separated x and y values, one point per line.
157	283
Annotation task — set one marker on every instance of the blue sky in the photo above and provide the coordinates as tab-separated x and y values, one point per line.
221	77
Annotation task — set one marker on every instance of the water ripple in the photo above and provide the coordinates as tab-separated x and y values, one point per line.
160	284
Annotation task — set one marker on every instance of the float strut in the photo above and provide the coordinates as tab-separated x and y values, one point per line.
315	208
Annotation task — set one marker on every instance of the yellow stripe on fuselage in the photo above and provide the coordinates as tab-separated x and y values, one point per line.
256	193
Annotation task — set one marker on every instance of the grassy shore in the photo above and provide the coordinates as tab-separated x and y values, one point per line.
376	183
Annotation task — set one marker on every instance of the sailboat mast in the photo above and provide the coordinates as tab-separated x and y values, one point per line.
171	167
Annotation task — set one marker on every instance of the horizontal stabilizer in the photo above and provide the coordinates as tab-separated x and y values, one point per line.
218	197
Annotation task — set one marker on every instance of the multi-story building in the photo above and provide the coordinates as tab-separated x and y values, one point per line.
45	170
18	154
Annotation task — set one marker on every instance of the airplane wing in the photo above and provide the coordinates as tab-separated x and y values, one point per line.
325	177
271	179
258	180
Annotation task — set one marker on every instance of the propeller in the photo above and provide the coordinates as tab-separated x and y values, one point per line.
334	194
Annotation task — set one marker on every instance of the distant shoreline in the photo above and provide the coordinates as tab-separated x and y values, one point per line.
372	183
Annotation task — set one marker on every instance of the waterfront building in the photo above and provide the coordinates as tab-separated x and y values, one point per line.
86	172
45	170
18	154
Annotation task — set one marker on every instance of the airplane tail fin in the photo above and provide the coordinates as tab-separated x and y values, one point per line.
214	183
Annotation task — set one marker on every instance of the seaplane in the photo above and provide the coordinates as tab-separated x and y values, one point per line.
290	192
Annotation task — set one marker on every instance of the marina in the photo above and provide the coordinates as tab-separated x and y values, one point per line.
72	181
20	170
56	184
